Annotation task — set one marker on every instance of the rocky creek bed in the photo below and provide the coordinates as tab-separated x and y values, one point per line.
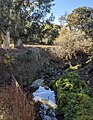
44	99
43	93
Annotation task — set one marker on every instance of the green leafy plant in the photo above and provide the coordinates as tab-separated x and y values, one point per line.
72	97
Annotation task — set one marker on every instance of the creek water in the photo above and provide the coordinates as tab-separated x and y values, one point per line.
46	97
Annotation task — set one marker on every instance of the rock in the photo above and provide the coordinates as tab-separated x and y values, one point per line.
53	118
46	87
90	71
46	117
37	83
52	113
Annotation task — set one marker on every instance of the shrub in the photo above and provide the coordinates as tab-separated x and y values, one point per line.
72	42
73	99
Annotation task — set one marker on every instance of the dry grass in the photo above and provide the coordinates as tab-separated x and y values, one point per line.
14	104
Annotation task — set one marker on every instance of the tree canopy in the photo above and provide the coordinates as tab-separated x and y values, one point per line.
19	17
81	19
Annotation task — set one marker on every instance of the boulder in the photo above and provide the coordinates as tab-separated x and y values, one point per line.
37	83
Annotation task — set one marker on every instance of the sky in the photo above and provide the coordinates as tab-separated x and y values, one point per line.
62	6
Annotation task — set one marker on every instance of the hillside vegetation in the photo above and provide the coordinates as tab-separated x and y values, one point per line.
32	47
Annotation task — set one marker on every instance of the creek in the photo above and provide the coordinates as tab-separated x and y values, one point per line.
46	97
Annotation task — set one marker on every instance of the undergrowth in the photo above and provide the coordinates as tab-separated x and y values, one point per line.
14	105
73	97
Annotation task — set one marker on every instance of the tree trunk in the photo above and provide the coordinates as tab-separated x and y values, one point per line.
19	44
6	40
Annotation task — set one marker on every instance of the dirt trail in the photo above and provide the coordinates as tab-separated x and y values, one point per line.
42	46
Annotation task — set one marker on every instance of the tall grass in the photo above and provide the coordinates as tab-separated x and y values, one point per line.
14	105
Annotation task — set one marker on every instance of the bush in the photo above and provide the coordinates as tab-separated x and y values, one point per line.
73	99
72	42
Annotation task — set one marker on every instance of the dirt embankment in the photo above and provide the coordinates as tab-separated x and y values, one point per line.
30	63
14	104
26	63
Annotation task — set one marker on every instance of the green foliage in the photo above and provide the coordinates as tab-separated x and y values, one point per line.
24	18
91	53
5	6
81	19
73	99
53	34
45	32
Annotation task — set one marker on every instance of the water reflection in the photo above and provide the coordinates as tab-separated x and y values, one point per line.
47	99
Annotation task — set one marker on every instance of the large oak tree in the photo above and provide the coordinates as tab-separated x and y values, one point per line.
17	15
81	19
